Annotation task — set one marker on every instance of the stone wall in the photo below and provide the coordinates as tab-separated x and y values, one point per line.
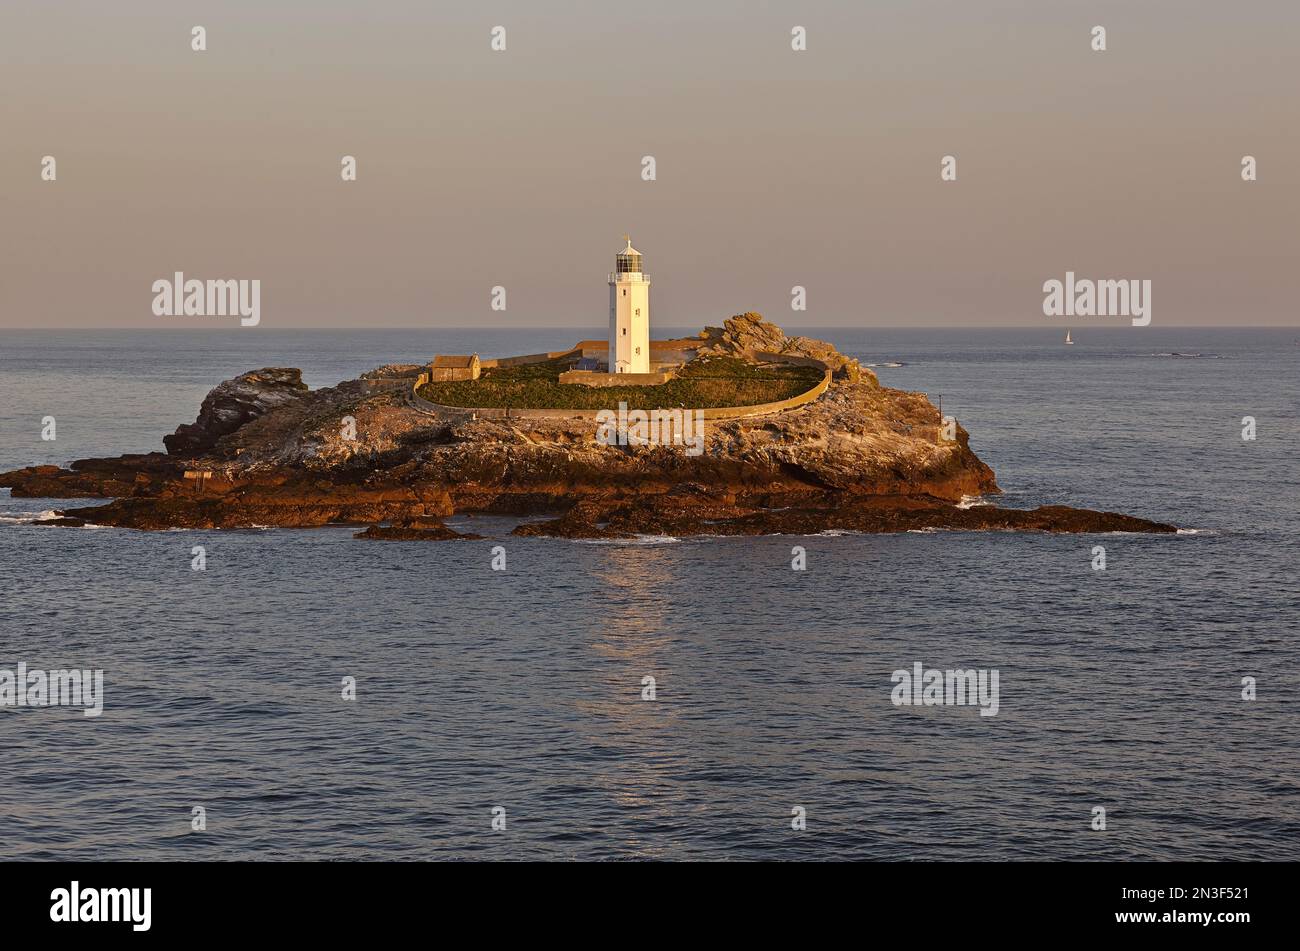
713	413
762	409
448	374
531	358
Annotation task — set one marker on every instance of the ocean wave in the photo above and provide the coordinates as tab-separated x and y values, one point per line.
27	518
971	501
36	518
890	365
634	540
1185	356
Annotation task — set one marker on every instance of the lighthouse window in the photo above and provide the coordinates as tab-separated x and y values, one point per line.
638	311
624	331
638	350
625	292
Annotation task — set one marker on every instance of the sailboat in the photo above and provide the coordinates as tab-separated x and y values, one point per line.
1067	338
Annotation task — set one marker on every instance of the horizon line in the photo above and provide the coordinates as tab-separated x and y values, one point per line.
195	328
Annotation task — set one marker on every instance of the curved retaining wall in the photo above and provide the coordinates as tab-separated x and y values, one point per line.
711	413
762	409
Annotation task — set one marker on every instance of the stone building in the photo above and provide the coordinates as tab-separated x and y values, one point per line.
447	367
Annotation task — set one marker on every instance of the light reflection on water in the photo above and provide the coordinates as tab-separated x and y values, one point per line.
523	687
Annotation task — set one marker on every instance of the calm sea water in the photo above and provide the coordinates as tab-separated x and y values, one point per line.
521	689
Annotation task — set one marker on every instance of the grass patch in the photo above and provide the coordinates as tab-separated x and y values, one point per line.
702	384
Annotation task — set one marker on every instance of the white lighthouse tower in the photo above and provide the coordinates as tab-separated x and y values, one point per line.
629	314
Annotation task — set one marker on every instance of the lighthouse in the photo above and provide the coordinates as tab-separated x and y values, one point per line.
629	314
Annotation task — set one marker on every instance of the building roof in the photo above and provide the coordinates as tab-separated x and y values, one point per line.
451	361
629	250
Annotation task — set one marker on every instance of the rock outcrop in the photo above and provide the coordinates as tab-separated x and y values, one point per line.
414	530
234	403
748	333
266	451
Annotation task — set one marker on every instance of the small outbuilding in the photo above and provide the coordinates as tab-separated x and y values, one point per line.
447	367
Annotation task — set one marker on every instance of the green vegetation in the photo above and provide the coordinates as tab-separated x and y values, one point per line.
701	384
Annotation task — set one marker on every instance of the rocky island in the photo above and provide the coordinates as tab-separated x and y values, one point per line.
848	454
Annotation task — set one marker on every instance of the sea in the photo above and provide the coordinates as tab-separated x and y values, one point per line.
313	696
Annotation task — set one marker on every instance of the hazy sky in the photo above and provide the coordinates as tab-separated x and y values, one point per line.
523	168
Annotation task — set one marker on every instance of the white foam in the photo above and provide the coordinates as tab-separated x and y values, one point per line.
634	540
27	518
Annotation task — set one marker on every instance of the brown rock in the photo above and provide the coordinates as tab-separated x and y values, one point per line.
414	530
861	457
234	403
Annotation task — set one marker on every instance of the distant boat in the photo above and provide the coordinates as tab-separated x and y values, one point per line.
1067	338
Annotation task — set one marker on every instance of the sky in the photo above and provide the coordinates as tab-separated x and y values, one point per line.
522	168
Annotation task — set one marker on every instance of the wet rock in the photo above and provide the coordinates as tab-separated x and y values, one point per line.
414	530
63	521
713	515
